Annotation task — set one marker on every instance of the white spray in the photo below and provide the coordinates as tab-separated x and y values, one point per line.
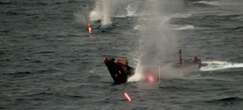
102	11
158	42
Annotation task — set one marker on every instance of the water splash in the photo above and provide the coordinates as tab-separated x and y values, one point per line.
158	41
102	11
96	13
138	75
106	13
131	10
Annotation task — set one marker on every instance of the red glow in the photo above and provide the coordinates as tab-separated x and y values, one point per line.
90	30
151	78
127	96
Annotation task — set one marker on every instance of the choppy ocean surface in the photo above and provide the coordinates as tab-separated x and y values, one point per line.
49	62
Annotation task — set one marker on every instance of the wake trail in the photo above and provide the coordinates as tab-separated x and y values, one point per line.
219	65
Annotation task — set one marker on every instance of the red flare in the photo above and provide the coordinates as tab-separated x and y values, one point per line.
127	96
90	30
151	78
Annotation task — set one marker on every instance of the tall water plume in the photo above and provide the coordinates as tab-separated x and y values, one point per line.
158	42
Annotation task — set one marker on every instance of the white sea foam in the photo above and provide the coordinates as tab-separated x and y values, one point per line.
138	27
219	65
214	3
181	15
185	27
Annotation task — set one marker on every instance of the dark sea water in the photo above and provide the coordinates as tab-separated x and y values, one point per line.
49	62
